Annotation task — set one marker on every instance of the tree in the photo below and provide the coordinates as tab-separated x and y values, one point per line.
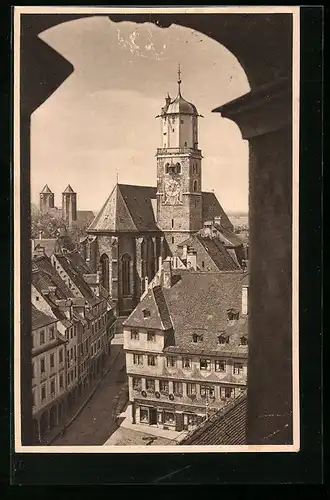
48	226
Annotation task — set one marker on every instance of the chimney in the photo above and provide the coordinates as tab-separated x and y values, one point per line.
184	252
217	220
167	273
192	259
146	282
40	235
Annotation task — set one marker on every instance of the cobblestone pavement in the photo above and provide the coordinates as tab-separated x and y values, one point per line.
97	420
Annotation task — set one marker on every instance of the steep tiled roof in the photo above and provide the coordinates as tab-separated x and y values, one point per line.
73	267
199	301
50	245
40	319
218	253
46	189
226	427
45	275
84	217
215	250
128	209
68	189
232	238
212	208
162	307
154	302
138	201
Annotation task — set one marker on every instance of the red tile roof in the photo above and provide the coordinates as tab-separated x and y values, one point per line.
226	427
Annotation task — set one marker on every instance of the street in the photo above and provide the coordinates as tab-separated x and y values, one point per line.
97	420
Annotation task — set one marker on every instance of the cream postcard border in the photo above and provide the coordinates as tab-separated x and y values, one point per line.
18	11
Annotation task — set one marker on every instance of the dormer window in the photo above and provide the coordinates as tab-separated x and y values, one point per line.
197	338
222	339
232	314
146	313
134	335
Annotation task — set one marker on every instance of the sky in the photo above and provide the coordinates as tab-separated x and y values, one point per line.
100	123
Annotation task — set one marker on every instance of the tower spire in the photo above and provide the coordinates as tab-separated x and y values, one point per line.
179	79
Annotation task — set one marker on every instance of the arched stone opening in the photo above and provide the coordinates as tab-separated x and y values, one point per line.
126	274
262	44
105	271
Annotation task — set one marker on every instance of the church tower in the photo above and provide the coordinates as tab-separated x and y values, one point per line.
46	198
179	176
69	205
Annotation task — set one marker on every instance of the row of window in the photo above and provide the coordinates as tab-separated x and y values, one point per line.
72	374
97	325
45	358
193	389
45	335
71	332
222	339
205	364
95	348
151	335
49	389
71	355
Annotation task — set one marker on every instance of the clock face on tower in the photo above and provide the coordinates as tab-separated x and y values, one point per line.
172	192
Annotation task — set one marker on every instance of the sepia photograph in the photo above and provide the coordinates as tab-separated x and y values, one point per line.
156	184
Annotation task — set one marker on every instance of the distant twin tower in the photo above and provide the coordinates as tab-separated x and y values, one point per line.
68	212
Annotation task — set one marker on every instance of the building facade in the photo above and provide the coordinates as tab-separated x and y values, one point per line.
49	385
138	225
84	315
186	348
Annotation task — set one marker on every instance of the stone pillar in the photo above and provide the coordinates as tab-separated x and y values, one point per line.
265	120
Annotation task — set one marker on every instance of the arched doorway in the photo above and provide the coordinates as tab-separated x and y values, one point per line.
104	263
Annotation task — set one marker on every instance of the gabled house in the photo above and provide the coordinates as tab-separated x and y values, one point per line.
179	369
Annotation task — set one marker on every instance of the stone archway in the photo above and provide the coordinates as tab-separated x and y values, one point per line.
262	44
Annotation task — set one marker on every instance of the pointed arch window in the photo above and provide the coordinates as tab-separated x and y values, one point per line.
126	274
104	261
195	186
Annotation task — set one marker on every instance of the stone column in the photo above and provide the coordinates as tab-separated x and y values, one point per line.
265	119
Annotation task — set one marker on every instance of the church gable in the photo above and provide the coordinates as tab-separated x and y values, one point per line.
212	209
114	216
